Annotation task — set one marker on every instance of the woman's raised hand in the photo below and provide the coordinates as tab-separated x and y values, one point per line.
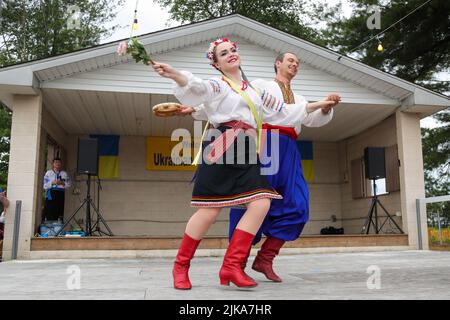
167	71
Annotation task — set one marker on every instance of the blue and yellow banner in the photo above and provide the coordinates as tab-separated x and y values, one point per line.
306	151
108	146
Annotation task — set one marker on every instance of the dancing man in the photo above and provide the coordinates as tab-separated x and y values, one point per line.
288	216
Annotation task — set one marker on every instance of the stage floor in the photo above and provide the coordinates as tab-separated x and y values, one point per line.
402	275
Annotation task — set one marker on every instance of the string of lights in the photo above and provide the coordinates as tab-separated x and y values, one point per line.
377	36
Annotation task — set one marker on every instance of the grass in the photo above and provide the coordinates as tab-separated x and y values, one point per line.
433	236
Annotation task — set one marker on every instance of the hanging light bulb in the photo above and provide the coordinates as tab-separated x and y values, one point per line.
135	22
380	47
135	26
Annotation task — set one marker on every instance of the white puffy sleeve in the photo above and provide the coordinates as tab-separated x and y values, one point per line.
198	91
276	112
200	113
316	118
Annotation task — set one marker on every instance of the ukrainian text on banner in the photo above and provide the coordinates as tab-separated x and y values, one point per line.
108	150
166	155
306	151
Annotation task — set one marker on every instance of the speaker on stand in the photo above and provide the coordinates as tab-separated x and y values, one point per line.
374	163
375	168
87	163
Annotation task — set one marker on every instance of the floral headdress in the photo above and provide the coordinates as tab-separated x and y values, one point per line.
213	45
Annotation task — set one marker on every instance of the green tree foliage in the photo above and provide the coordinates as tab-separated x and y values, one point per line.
36	29
5	133
436	155
416	49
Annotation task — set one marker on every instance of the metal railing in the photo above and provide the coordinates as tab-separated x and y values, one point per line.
16	232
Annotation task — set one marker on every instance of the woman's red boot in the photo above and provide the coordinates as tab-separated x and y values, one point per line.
236	254
182	263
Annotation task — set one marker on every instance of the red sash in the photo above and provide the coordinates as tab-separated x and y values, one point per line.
287	131
226	139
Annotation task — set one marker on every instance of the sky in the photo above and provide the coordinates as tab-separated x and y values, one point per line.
151	18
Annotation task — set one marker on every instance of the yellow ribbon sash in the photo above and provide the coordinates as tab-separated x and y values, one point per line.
252	107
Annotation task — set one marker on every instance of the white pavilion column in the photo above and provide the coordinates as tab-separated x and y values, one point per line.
412	185
23	172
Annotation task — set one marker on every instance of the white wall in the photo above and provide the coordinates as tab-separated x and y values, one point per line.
258	62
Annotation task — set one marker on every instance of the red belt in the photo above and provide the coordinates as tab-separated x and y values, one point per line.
222	143
287	131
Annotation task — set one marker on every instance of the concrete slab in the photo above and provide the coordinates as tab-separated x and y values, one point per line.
402	275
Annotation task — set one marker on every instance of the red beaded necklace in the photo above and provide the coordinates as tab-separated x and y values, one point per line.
243	87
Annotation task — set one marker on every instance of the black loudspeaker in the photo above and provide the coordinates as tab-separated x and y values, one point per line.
87	162
374	163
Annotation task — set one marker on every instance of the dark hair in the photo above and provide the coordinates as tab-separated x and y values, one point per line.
280	58
56	159
244	77
215	58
